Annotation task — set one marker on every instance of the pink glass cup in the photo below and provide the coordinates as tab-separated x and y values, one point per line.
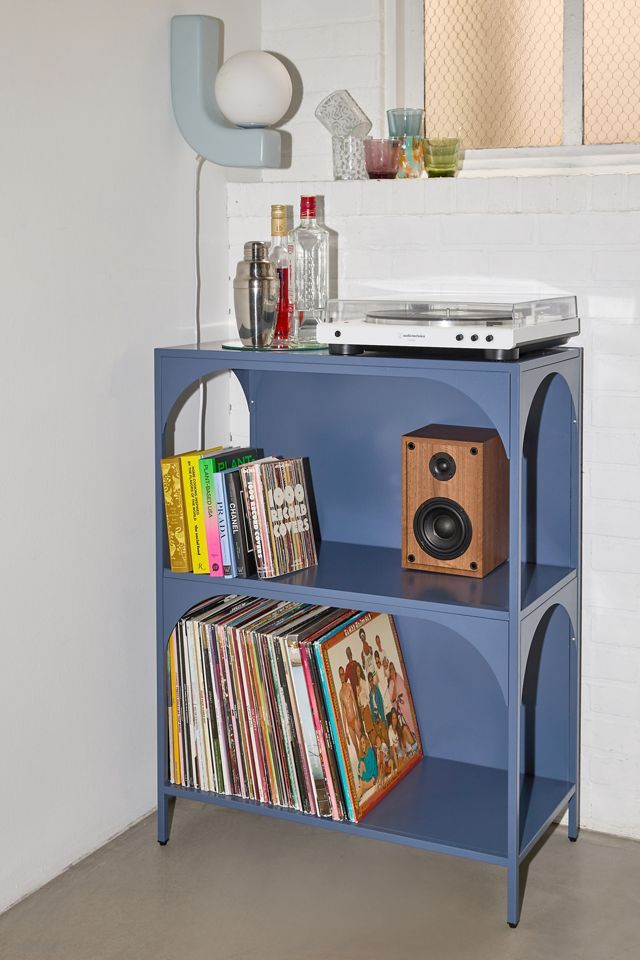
382	157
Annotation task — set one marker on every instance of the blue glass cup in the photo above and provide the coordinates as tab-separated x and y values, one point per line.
405	122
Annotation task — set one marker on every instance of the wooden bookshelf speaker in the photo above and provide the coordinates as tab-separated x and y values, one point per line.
454	500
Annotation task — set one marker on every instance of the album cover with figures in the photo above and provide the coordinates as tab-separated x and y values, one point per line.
372	712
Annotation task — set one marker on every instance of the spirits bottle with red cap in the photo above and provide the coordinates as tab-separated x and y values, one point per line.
310	273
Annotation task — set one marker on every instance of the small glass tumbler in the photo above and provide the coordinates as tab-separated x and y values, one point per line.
348	159
405	122
342	116
411	158
441	156
382	157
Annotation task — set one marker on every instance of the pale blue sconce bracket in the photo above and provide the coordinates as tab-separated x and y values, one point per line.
196	56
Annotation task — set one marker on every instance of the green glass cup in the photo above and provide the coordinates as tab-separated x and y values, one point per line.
441	156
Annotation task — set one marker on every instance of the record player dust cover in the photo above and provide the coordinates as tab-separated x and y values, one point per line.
373	717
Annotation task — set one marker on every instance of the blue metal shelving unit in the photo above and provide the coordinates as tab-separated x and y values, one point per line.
494	663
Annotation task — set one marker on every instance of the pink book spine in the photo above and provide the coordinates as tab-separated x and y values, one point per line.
317	723
211	528
214	547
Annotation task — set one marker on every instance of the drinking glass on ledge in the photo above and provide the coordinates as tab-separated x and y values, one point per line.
441	156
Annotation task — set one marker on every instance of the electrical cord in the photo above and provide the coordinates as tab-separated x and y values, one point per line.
198	287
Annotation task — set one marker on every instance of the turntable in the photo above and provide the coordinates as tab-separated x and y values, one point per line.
498	331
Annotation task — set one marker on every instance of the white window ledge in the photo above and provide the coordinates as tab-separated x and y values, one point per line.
546	161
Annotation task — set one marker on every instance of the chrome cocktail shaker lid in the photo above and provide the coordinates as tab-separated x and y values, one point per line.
256	264
256	250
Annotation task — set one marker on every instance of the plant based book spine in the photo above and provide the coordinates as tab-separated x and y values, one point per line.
192	484
176	515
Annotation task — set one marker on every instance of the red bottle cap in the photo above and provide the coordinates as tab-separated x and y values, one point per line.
307	206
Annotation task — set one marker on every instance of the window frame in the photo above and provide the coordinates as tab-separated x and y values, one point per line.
404	84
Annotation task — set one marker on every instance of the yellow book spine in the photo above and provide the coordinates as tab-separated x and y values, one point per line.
174	708
174	508
190	467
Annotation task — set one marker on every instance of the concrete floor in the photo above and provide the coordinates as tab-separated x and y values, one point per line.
233	886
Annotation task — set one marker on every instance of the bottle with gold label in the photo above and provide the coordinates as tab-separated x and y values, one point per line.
280	256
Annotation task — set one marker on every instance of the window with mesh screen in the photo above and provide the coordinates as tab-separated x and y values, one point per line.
495	72
611	71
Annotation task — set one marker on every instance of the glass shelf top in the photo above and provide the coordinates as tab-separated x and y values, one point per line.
299	348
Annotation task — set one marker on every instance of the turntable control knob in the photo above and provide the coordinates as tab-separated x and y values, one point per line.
474	336
459	336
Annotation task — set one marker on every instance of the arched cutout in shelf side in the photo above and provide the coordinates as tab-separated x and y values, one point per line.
550	479
545	723
178	436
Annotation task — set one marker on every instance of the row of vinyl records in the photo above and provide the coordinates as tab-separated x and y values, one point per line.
298	705
233	512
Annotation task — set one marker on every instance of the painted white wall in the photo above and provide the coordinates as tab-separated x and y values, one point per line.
96	269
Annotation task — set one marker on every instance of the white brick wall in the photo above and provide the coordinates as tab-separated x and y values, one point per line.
580	233
334	45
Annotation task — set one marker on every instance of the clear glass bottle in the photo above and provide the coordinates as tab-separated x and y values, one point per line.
310	273
280	255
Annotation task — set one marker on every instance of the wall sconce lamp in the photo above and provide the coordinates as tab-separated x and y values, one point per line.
254	89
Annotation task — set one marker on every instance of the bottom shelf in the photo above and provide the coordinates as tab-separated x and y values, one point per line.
442	805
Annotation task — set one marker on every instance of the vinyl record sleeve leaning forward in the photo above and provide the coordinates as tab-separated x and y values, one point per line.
371	708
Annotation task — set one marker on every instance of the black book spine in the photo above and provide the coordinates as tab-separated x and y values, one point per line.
249	556
233	485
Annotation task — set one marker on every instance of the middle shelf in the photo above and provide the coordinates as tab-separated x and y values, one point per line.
372	578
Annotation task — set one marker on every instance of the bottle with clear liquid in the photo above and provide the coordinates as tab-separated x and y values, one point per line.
280	255
310	273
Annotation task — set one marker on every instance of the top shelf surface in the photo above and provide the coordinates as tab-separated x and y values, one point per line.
319	361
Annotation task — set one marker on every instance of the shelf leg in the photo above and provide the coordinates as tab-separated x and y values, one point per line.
574	818
165	816
513	894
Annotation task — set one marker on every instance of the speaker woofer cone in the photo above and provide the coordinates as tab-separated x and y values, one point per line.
442	528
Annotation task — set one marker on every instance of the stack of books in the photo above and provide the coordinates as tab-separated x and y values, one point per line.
234	513
297	705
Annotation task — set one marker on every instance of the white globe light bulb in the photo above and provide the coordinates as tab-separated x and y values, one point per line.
253	89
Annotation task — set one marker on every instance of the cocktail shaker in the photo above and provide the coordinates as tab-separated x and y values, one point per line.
255	295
